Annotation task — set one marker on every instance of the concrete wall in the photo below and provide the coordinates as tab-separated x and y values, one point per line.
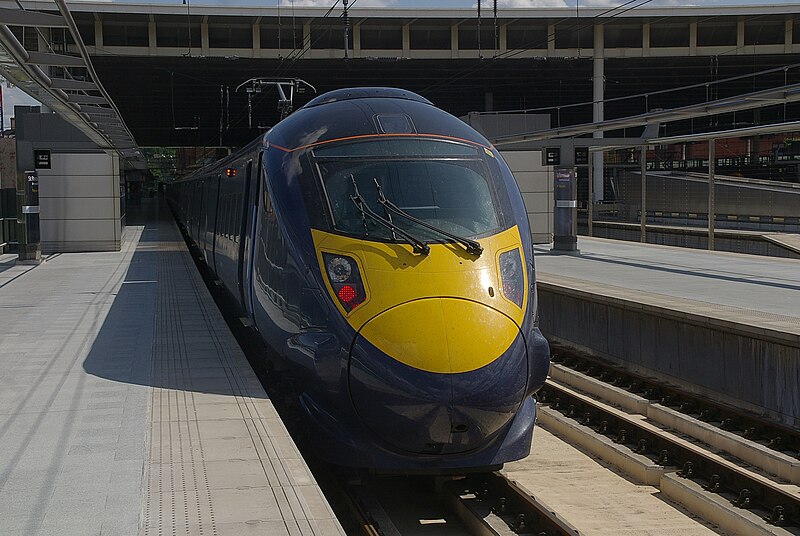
748	367
535	180
536	184
80	203
8	163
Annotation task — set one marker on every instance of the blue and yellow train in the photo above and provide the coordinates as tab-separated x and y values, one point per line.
382	249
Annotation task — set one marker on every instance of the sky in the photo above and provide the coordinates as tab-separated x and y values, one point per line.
13	96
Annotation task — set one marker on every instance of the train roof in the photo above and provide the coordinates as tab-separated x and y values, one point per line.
364	111
365	93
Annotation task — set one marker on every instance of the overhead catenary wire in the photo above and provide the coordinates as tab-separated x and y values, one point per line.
307	44
310	41
650	93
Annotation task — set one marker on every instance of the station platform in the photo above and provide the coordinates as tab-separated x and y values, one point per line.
785	240
722	325
753	284
127	407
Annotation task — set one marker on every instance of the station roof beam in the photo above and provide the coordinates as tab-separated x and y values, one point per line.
62	77
747	101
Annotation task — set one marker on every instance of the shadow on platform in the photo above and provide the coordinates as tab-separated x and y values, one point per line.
156	332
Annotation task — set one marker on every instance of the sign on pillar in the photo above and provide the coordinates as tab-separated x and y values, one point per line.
565	211
30	250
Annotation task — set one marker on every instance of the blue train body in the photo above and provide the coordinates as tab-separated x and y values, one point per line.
415	338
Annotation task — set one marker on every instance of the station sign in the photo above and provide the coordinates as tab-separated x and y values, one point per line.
41	159
581	156
552	156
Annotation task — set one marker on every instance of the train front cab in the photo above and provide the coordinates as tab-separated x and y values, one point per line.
439	352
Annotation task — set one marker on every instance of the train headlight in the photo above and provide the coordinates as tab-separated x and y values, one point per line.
511	276
345	279
339	269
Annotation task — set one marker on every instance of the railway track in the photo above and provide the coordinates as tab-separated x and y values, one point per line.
774	436
480	504
692	460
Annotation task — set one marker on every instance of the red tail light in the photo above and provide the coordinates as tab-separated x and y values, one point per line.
345	279
347	294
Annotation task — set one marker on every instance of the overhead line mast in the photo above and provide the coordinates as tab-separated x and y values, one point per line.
346	28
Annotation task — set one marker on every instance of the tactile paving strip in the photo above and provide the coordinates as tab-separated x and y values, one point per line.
220	460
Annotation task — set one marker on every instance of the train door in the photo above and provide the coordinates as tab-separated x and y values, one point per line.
246	246
198	211
212	208
194	221
202	229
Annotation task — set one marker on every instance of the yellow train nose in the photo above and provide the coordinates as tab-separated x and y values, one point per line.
443	335
438	375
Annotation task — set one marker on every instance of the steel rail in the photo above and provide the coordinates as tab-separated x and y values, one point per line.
776	436
490	504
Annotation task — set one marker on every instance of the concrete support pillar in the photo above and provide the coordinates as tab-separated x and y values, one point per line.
454	41
204	43
356	31
643	217
590	198
406	40
646	39
787	39
504	38
598	94
551	38
740	36
98	32
152	41
257	38
693	38
711	192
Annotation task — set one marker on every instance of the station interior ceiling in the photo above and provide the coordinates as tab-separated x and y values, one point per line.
191	101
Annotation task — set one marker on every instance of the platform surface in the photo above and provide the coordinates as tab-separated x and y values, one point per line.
127	407
787	240
764	289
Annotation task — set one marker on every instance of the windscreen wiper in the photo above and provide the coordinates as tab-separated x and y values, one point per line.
418	245
472	246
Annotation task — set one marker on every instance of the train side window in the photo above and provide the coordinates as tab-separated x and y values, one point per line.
267	202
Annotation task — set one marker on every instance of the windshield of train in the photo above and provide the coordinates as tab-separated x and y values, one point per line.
445	184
